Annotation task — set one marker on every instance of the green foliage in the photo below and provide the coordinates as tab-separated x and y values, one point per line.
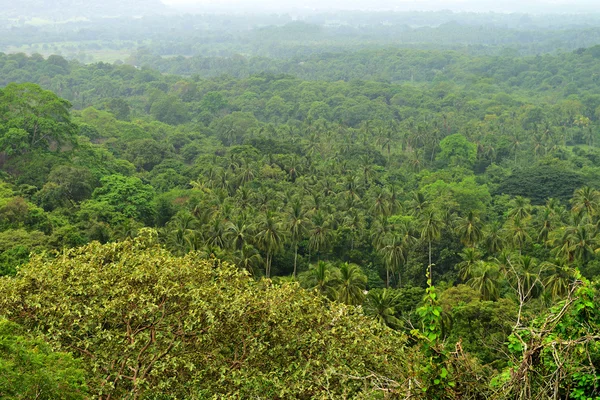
480	326
128	196
33	118
169	110
31	370
382	304
541	182
473	168
557	354
437	378
15	246
457	151
144	322
66	184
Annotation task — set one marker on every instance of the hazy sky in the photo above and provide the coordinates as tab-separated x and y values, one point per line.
534	6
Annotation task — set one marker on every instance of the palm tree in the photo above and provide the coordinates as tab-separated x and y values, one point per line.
485	280
546	225
322	278
393	202
519	208
248	258
293	168
470	257
559	278
269	238
448	219
352	190
586	201
297	227
517	231
588	135
469	229
352	283
493	240
561	241
526	276
418	203
179	230
263	198
320	233
584	241
382	305
367	168
415	159
238	233
216	232
431	228
395	252
379	231
556	209
386	138
246	173
517	141
353	221
380	202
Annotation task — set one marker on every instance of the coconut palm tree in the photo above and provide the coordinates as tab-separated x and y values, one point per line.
248	258
382	304
394	253
179	230
469	229
354	221
584	241
517	231
321	277
386	138
380	228
246	173
493	240
485	279
546	222
368	170
516	143
293	168
558	278
525	276
586	201
352	283
320	233
297	227
380	202
238	232
418	203
216	232
431	228
269	238
470	257
520	207
351	190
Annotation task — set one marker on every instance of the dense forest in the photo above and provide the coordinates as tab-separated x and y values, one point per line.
374	222
287	36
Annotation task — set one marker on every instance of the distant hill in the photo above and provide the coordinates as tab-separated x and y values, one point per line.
67	9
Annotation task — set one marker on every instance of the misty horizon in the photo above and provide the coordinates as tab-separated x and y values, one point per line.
482	6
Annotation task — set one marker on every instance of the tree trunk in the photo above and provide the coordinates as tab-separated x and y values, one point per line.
430	267
387	279
268	267
295	258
